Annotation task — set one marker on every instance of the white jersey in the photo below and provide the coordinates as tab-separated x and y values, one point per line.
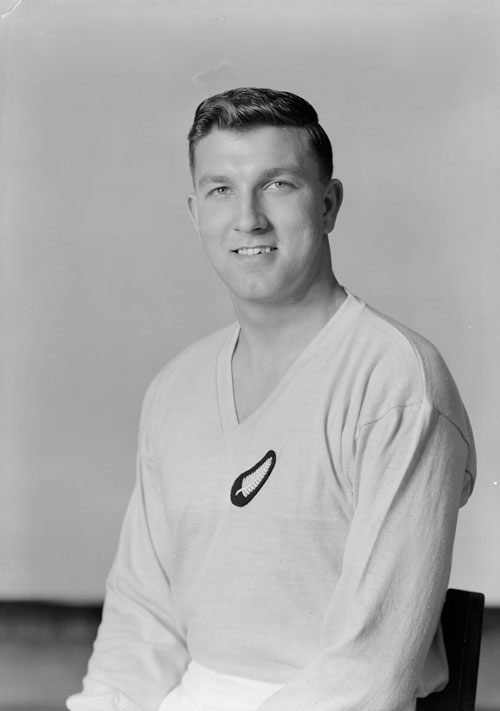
308	546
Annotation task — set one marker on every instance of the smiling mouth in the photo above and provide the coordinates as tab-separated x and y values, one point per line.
252	251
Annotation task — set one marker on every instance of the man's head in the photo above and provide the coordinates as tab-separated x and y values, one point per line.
264	200
246	108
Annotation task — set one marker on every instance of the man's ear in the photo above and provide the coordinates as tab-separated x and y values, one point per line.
192	206
332	201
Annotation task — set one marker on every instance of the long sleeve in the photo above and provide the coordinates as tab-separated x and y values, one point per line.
139	653
409	474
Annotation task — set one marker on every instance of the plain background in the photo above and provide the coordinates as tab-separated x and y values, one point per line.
103	279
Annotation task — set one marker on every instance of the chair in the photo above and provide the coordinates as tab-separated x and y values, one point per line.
461	619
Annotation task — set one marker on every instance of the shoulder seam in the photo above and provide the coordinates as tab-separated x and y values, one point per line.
387	412
414	404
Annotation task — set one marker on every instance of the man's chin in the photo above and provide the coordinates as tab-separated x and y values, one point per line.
264	297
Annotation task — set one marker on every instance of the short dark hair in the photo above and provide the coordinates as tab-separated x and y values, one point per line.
247	107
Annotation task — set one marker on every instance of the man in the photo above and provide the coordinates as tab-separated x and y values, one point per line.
288	543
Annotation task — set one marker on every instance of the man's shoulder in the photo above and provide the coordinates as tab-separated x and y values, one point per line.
384	341
399	339
405	367
199	354
192	363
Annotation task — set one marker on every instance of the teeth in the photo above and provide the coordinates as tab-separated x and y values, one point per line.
250	251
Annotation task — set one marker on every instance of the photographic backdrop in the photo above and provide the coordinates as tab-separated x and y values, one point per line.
103	279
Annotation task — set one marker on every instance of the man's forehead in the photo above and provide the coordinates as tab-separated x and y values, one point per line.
281	145
273	133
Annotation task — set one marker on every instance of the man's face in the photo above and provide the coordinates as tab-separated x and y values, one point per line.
262	211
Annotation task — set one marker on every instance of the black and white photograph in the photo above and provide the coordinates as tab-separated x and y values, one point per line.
249	362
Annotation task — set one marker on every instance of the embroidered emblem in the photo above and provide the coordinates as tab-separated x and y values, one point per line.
248	484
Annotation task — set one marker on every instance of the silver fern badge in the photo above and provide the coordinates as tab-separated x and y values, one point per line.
248	484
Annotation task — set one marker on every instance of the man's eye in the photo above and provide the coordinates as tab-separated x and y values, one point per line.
278	185
220	191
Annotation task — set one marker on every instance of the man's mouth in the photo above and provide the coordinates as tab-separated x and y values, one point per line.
252	251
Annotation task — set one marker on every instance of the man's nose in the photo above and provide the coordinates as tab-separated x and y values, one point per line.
250	216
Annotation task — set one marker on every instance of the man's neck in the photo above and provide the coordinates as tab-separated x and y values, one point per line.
272	338
271	332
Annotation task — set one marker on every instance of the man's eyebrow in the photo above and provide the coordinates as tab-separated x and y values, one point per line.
268	174
288	168
209	178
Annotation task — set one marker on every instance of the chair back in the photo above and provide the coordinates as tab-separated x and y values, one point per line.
462	622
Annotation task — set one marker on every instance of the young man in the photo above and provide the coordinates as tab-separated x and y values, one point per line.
288	543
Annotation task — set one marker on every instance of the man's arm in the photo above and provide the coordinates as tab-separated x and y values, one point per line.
409	475
139	653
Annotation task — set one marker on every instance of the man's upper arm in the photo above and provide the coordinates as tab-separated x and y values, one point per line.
409	473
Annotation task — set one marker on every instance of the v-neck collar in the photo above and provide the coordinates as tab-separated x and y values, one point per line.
225	385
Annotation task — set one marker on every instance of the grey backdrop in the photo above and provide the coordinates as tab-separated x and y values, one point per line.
103	279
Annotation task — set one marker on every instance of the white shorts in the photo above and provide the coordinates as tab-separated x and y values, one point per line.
202	689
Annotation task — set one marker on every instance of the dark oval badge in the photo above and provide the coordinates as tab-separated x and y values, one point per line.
248	484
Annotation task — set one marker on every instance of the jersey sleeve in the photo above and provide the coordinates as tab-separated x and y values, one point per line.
410	471
139	653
